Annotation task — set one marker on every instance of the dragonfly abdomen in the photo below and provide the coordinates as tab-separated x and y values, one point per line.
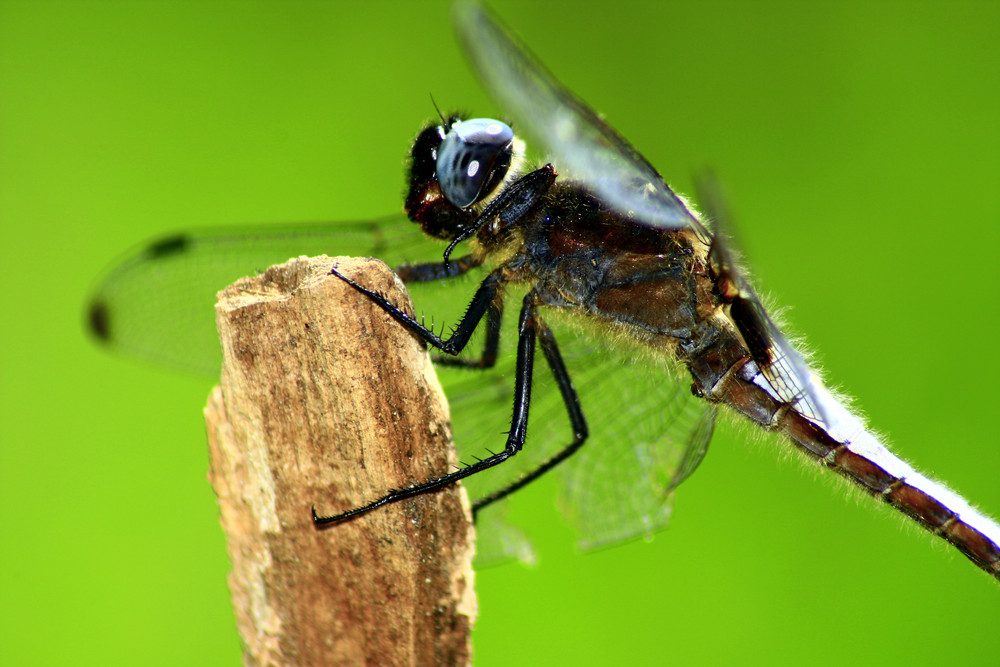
725	373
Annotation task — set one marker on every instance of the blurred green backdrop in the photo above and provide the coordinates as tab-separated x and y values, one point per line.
858	142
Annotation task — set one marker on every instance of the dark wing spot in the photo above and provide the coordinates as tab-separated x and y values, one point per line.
748	317
97	319
168	246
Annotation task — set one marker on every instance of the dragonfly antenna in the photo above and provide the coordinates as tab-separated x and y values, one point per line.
438	109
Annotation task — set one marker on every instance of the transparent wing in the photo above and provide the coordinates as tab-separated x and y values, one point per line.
785	370
647	434
619	485
158	301
582	146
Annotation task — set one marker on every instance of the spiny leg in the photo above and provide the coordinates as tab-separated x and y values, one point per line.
491	346
550	349
431	271
484	296
425	272
507	208
528	325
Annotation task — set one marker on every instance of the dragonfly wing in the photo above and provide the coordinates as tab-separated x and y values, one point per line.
500	541
620	484
785	371
789	376
648	433
158	301
582	146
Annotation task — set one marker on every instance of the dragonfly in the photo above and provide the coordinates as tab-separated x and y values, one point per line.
646	323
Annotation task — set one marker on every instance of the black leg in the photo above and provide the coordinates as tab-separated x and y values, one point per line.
510	205
429	271
515	439
484	296
491	346
550	349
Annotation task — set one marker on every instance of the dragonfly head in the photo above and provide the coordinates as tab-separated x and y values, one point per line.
454	167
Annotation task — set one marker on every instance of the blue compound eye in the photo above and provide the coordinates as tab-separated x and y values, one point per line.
473	158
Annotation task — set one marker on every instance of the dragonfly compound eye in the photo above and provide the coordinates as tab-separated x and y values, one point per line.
473	158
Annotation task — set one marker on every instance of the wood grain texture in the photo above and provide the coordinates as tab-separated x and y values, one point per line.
327	401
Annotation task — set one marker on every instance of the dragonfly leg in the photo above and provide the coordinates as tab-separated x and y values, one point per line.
485	295
425	272
507	208
431	271
491	346
527	327
550	349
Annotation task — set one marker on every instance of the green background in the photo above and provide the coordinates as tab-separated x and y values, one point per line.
858	143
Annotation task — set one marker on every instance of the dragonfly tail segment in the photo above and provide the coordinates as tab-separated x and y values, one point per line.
840	441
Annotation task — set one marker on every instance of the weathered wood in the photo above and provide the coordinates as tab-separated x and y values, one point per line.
326	401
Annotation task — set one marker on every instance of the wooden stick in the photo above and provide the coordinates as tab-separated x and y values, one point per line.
326	401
